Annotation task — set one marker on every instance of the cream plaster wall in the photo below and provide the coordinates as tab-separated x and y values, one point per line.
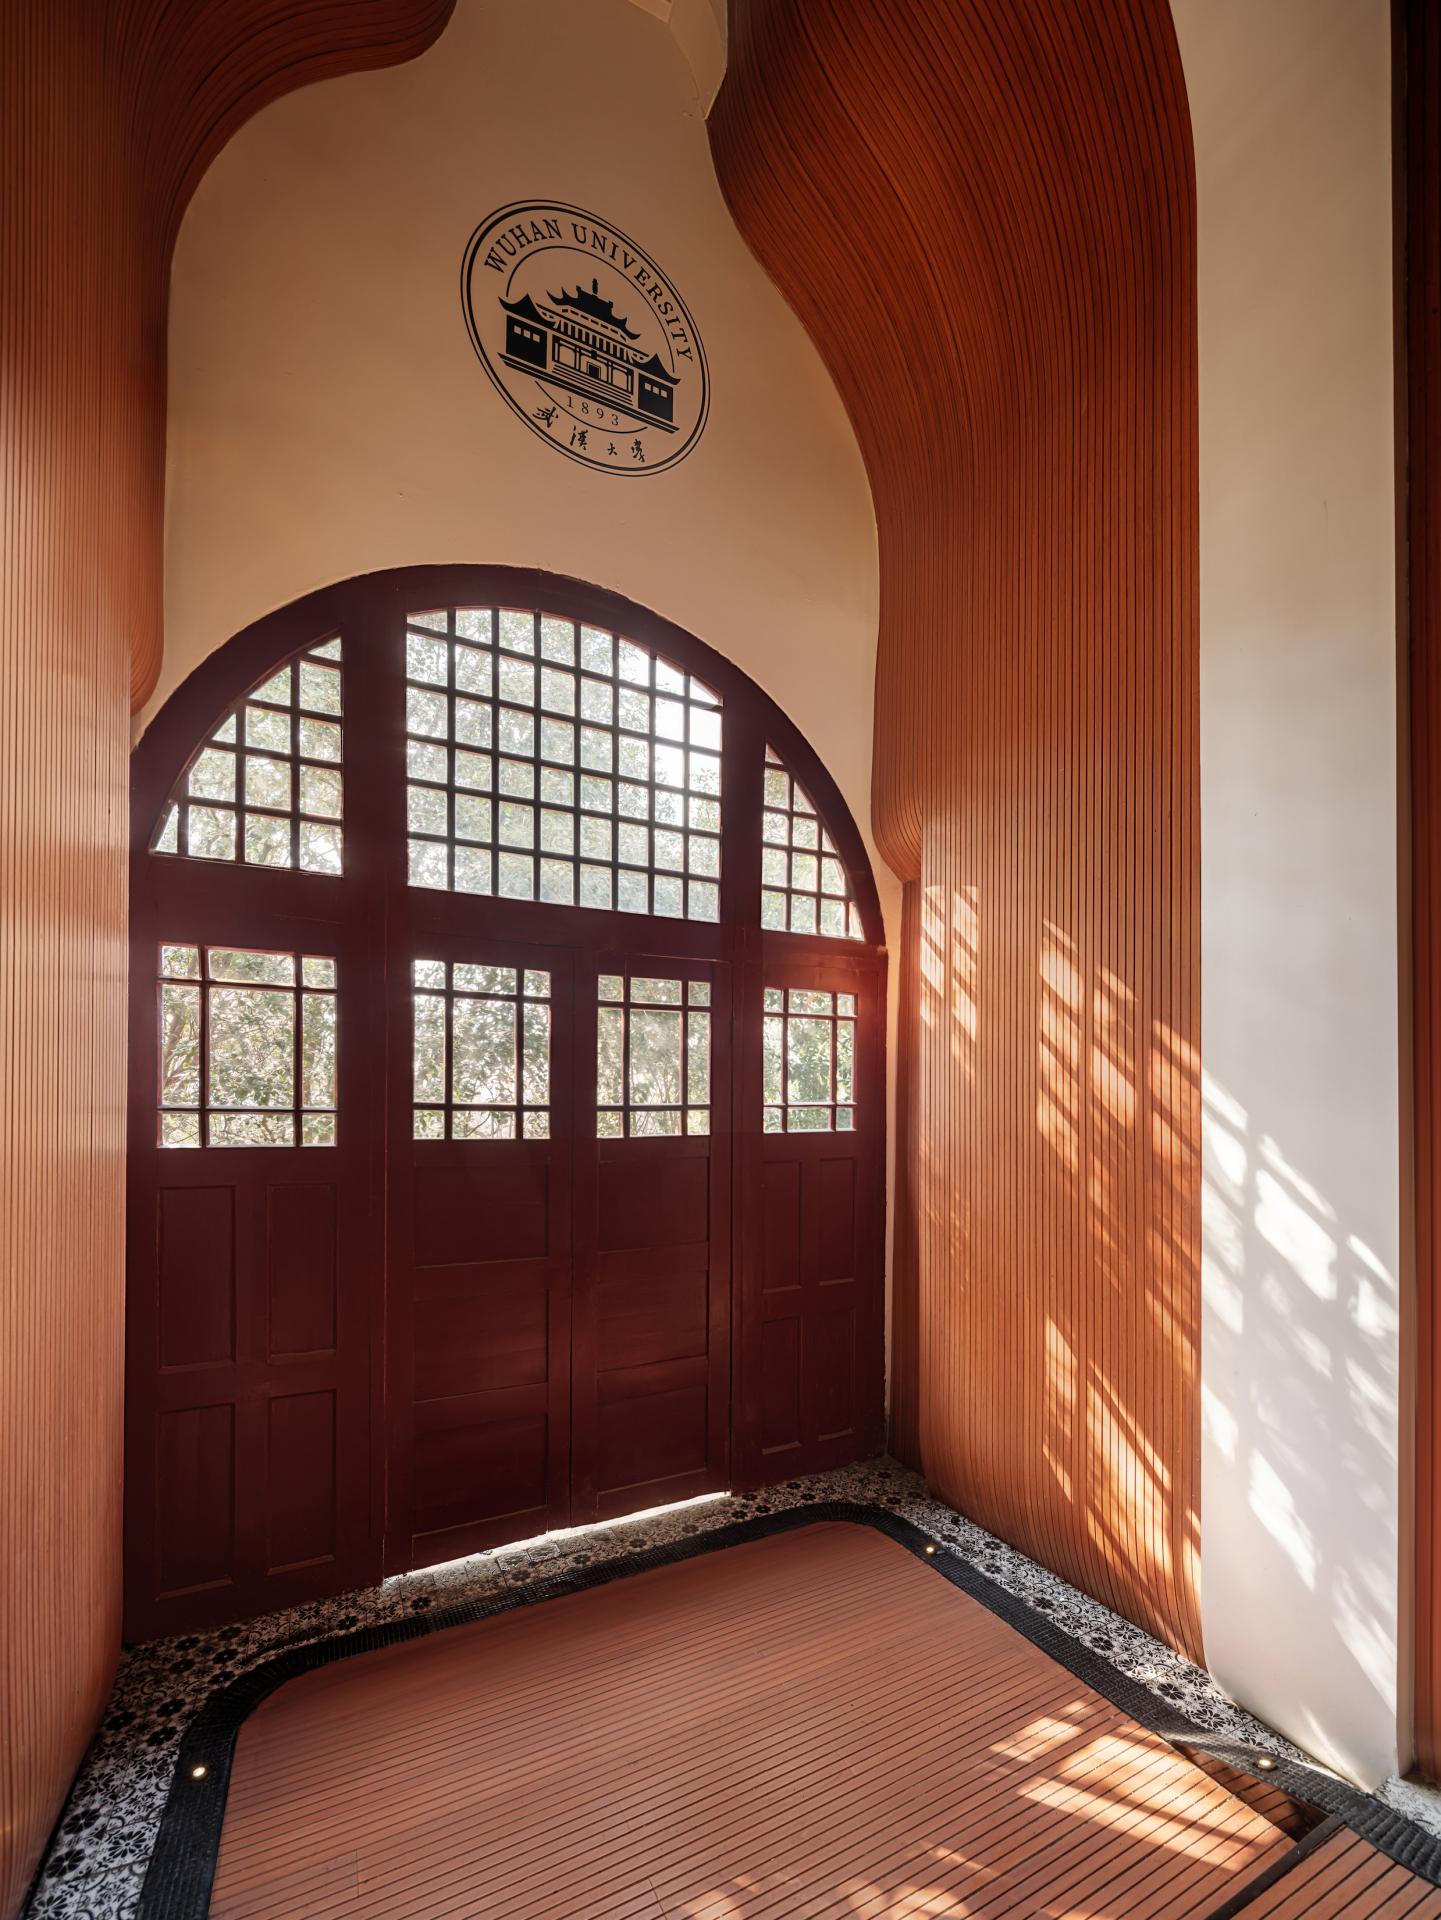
328	415
1300	1514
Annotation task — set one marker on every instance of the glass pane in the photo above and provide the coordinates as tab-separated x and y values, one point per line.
317	1130
210	834
320	847
655	1048
808	1060
238	964
276	689
845	1060
317	973
472	870
610	1054
252	1130
179	1046
426	659
318	1049
428	864
648	1125
319	740
265	728
482	1123
772	1048
808	1119
697	1091
483	1041
319	688
470	978
321	792
536	1084
611	987
180	1129
267	840
429	1124
180	963
657	993
517	631
429	1066
557	639
252	1047
213	775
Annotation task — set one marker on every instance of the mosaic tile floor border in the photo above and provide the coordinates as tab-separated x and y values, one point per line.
104	1838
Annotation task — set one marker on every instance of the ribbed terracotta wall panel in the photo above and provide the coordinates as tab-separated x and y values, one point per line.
984	212
109	111
1421	74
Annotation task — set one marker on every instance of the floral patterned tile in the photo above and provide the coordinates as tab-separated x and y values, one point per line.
102	1843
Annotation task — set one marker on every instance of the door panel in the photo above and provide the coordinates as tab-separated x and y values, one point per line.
811	1354
652	1349
252	1275
480	1252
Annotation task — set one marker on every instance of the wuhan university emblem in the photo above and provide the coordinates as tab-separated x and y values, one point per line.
584	337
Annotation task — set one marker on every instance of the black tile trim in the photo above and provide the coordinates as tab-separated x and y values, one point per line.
181	1873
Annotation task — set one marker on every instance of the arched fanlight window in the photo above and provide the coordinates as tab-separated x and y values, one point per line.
555	761
804	884
267	788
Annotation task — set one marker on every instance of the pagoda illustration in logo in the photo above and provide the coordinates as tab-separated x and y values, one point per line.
579	342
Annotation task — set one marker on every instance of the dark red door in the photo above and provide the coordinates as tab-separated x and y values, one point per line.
651	1357
253	1269
480	1249
811	1321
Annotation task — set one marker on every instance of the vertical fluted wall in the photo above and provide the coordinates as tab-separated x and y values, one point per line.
109	112
985	215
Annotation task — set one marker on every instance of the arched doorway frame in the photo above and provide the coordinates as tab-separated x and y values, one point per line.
778	1189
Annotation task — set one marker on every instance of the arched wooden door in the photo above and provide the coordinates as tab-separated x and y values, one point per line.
507	1092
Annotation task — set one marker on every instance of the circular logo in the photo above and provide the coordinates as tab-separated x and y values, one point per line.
584	337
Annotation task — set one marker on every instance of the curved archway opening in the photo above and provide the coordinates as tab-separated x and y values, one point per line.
507	1116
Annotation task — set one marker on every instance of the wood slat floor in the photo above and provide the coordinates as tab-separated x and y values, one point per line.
813	1724
1346	1876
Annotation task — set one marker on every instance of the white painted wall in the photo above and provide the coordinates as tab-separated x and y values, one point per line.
328	415
1300	1512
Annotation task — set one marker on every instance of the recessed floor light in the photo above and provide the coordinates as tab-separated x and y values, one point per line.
197	1773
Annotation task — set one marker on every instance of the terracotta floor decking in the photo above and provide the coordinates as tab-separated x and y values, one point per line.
1347	1879
811	1724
